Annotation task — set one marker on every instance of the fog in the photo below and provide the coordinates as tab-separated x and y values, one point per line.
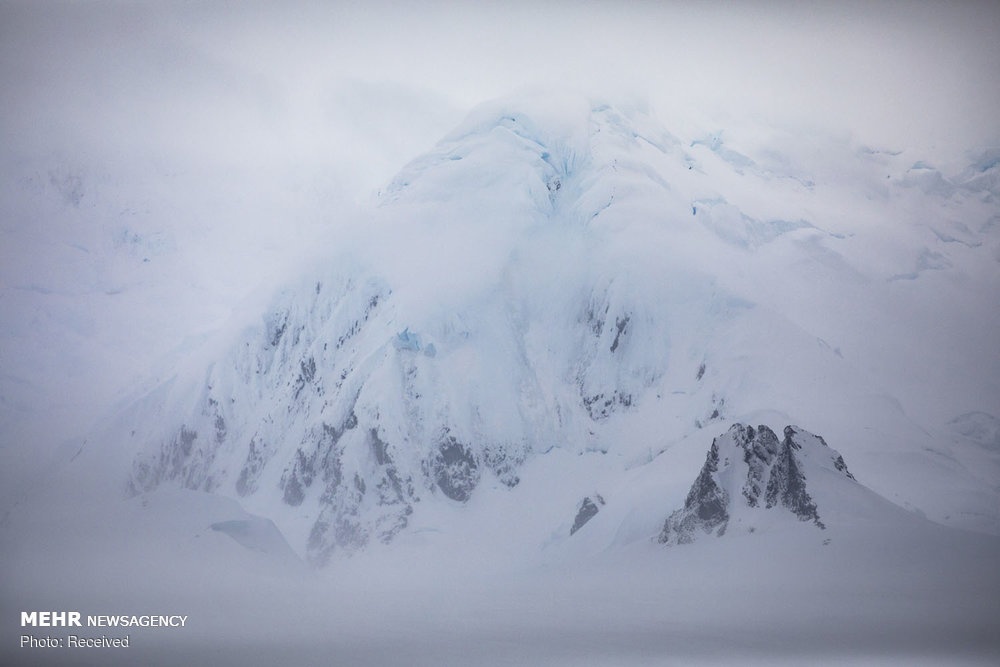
167	167
864	593
288	81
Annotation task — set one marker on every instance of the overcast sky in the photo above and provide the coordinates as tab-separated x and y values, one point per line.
290	79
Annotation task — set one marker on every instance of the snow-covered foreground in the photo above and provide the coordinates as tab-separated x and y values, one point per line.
498	582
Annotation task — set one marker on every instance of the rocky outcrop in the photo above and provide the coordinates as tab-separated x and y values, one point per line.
749	470
454	469
588	509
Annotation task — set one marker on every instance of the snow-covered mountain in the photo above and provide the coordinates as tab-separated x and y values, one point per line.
483	408
560	274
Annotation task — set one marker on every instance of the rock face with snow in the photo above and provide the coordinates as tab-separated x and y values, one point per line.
370	388
553	274
750	470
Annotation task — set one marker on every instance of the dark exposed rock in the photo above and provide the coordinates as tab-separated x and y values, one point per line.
252	467
307	373
589	507
294	482
455	469
185	439
324	456
718	404
183	459
620	324
277	328
600	406
748	470
504	461
759	449
220	429
787	483
379	447
841	466
595	317
704	509
294	494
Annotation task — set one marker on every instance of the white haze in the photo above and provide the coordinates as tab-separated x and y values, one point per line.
166	166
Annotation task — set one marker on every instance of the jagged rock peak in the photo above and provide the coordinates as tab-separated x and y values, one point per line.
747	471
